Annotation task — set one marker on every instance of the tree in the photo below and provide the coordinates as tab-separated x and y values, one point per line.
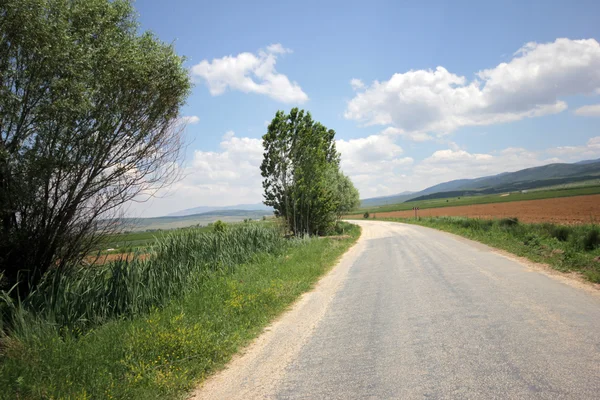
348	197
301	174
88	121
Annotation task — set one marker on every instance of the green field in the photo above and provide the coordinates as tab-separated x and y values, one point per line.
484	199
132	241
203	219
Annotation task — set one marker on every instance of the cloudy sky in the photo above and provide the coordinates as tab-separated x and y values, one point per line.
418	92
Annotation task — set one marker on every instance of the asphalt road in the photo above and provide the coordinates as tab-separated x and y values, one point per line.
417	313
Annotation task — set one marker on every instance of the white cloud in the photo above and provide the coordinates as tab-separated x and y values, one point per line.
375	163
188	120
213	178
228	136
378	167
416	136
277	48
357	84
588	111
250	73
591	150
438	101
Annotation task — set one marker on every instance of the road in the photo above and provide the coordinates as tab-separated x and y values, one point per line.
412	313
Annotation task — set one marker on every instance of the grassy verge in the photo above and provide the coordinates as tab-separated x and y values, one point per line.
167	351
565	248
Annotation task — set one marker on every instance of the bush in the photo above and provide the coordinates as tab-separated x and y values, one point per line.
532	240
508	222
366	215
219	226
591	239
560	233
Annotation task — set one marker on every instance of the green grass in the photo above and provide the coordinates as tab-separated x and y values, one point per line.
484	199
563	247
137	241
165	352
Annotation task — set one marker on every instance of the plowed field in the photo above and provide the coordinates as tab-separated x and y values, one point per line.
565	210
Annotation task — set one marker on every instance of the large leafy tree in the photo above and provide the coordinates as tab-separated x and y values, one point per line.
88	121
348	198
301	174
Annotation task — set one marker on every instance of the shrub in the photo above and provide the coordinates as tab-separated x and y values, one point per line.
591	239
560	232
508	222
219	226
366	215
531	240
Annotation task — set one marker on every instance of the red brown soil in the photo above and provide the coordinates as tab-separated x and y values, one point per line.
563	210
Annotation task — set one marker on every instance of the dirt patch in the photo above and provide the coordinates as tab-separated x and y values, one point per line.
563	210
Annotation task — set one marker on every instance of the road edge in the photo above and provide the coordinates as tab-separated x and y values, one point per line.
253	372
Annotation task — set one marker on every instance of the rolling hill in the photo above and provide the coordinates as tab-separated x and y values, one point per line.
529	178
207	209
173	222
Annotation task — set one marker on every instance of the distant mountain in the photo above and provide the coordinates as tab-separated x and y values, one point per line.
383	200
174	222
206	209
588	161
529	178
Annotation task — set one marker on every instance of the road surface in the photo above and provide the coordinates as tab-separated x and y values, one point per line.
412	313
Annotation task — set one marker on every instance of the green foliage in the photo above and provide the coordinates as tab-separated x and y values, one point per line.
508	222
88	113
83	296
559	232
532	240
366	215
219	226
302	181
348	197
165	353
591	239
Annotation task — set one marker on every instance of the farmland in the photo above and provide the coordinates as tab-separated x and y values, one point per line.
565	210
456	202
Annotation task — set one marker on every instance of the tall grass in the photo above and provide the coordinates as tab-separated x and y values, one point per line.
85	296
225	290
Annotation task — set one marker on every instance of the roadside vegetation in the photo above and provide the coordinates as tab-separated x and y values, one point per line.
155	328
90	121
128	242
302	178
564	247
483	199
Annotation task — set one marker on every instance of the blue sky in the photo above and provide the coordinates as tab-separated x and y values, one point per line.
420	111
